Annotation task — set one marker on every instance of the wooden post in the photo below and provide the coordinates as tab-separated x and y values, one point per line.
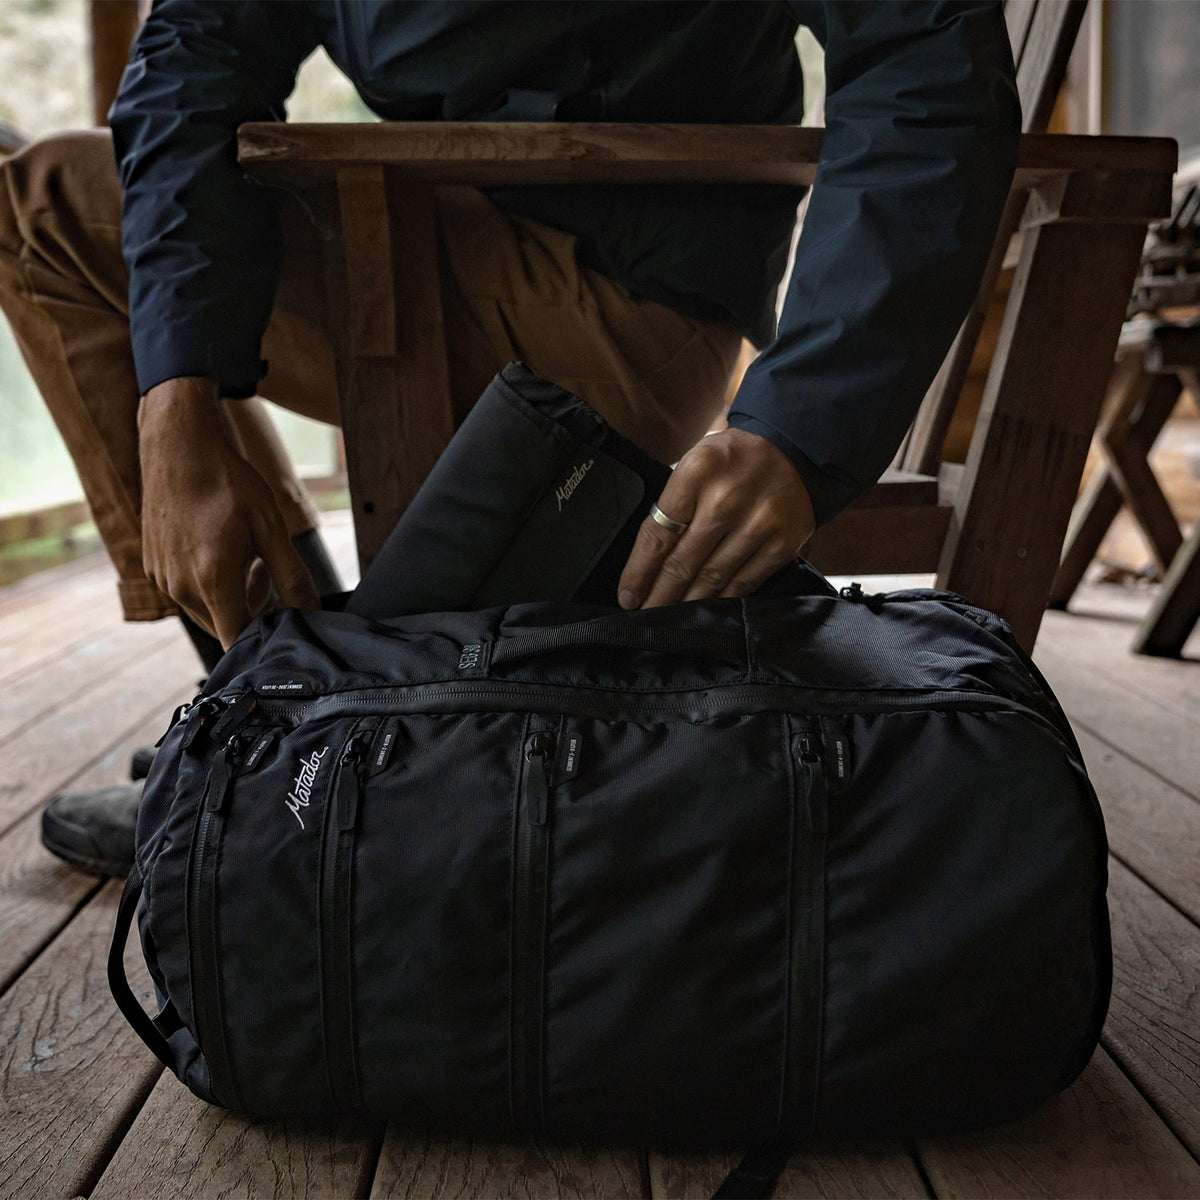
1083	237
391	348
113	24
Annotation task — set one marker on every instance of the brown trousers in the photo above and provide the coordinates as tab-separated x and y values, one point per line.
511	289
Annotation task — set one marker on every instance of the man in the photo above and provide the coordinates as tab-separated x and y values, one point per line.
635	298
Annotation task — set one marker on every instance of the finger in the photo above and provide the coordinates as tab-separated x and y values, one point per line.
755	571
286	568
712	576
199	614
679	570
230	610
653	544
744	559
258	587
189	599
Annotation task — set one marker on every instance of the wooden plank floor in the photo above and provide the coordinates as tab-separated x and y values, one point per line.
86	1111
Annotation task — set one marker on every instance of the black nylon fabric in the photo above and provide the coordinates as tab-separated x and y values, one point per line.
549	870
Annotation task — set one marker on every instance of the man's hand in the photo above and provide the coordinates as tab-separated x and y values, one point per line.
746	513
213	538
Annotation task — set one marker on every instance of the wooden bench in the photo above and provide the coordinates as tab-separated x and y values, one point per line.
991	529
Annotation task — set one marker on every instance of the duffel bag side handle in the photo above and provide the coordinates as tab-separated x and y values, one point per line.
613	633
118	982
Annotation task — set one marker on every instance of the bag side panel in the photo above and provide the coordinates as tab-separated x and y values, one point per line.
966	944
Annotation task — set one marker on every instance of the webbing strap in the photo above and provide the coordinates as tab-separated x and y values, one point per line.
755	1176
118	982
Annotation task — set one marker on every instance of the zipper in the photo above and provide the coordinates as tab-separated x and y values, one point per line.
722	700
337	922
531	868
203	944
806	981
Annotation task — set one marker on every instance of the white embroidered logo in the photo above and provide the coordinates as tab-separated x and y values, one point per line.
572	482
301	794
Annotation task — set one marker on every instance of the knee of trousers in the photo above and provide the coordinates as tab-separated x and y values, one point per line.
55	184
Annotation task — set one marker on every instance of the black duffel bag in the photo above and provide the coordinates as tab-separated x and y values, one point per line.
726	872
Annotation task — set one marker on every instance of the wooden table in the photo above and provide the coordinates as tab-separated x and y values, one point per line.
991	530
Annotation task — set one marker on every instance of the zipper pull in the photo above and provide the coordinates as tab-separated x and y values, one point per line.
349	784
222	775
236	712
538	751
810	751
200	712
181	711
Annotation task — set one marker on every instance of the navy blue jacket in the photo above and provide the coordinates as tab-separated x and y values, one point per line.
922	124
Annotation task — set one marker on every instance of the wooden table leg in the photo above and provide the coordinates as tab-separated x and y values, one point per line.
1137	406
1133	475
1175	612
1042	397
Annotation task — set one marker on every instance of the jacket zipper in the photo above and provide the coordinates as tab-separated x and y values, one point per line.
336	925
530	894
806	984
204	949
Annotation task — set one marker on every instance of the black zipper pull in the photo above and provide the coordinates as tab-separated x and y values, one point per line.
811	752
235	713
200	712
852	592
808	747
349	784
222	774
181	711
538	752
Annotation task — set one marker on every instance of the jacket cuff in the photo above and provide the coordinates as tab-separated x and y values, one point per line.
828	489
165	352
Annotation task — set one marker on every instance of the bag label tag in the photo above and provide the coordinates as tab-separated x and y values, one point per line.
570	746
475	659
384	747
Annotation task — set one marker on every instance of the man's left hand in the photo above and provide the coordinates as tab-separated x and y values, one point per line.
746	513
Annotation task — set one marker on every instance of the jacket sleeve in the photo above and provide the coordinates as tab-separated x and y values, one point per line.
200	239
922	126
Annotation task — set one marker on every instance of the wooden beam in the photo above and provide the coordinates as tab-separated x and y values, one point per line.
880	541
497	153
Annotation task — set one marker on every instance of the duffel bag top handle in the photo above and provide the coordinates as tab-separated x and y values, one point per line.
616	633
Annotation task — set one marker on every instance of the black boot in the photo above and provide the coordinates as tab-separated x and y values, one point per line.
94	829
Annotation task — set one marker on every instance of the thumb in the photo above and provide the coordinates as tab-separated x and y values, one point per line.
293	583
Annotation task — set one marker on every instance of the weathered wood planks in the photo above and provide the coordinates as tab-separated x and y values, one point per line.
1097	1139
431	1168
51	751
1153	1024
868	1170
181	1147
72	1073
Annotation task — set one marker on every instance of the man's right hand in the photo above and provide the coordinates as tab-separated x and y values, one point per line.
213	538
